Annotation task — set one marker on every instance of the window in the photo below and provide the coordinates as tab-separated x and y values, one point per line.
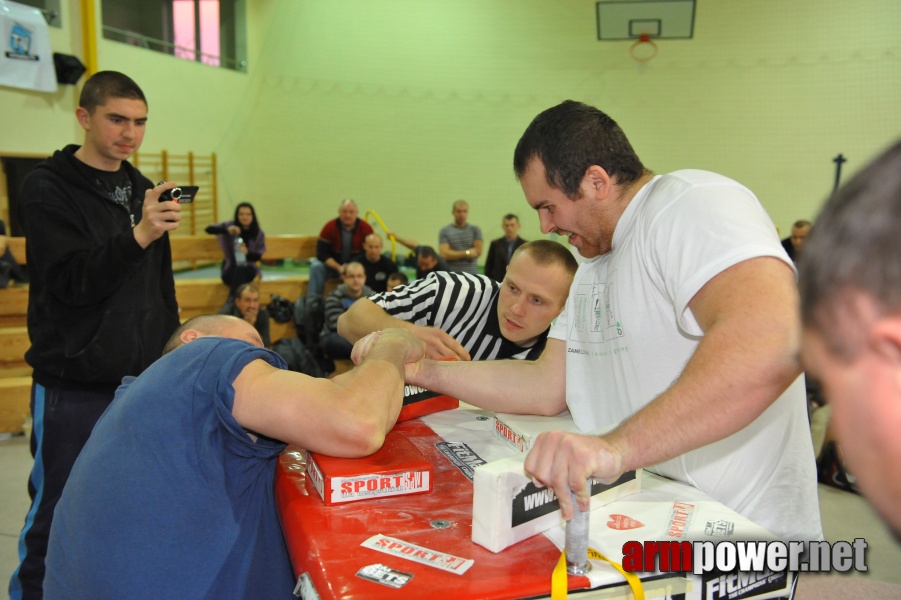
207	31
49	8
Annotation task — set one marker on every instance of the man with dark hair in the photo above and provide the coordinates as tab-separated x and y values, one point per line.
426	258
428	261
246	305
460	243
680	331
465	316
340	241
173	495
102	299
794	243
851	309
501	250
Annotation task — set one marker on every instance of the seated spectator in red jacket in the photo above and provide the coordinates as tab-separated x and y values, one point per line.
340	242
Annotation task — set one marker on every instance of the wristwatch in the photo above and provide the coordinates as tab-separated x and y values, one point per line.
468	253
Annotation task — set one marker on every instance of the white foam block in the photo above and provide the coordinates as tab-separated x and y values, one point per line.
507	507
519	431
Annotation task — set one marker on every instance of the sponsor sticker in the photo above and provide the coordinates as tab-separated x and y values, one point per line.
424	556
385	575
461	456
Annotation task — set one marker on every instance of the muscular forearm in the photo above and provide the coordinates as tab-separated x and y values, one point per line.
514	386
365	316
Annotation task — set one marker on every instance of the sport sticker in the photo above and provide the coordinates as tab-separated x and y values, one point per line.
402	549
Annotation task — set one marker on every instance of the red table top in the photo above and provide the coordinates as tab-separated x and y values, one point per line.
325	541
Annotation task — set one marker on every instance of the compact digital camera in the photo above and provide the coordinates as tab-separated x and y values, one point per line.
183	194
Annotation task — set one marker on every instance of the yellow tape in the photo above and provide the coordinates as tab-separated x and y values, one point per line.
381	224
560	576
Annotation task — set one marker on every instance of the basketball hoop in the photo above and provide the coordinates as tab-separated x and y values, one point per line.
647	52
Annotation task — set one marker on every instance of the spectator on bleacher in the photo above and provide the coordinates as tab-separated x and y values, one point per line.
101	304
246	306
340	242
243	244
425	259
377	266
501	250
173	497
460	243
9	268
336	304
794	242
395	280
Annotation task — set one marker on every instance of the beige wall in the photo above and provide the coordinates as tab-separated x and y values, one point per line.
408	105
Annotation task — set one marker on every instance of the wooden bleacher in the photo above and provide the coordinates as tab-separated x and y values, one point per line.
195	296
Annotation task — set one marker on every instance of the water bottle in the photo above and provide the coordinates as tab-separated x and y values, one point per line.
240	257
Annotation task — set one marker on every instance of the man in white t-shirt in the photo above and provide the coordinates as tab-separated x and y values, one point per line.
680	332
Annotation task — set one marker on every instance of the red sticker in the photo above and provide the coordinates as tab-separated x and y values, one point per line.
622	522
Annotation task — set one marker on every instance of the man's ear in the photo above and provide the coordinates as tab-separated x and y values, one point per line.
885	338
83	116
596	182
189	335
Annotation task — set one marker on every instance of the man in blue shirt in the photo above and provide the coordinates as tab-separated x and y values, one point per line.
172	496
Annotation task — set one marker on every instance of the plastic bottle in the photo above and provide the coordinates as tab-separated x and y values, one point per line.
240	257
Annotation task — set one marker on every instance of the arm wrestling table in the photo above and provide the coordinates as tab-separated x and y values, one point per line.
326	543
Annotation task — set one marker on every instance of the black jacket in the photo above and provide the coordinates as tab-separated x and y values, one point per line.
99	307
496	262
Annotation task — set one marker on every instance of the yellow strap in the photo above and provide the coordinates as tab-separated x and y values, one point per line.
381	223
559	576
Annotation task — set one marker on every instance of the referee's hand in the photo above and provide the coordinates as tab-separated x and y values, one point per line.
439	344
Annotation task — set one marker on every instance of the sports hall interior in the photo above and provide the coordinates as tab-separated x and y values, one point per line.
407	105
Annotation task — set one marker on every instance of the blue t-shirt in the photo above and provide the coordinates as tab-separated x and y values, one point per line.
170	497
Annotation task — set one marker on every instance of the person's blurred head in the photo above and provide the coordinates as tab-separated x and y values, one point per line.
246	218
426	259
511	226
800	230
460	211
372	247
396	279
213	325
348	212
534	290
247	298
354	278
850	286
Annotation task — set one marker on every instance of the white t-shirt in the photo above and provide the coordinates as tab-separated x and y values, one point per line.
629	333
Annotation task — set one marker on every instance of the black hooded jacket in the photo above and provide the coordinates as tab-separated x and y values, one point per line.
100	307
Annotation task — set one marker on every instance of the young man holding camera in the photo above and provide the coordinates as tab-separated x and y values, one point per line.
102	299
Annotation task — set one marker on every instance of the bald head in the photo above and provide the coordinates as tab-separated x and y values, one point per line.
213	326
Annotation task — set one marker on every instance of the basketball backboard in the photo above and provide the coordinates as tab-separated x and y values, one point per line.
658	19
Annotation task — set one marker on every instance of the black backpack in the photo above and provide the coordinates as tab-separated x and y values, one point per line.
309	318
280	309
298	357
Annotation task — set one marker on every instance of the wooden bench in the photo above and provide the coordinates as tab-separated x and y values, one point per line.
195	296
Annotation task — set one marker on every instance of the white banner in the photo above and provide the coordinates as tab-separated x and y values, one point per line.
26	60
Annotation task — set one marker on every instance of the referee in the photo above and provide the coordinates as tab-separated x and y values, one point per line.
472	317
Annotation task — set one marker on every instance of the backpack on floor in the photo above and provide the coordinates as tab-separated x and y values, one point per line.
298	357
309	318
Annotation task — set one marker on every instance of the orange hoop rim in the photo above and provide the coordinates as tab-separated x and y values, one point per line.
644	38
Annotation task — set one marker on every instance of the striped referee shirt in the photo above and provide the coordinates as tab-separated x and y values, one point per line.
464	306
